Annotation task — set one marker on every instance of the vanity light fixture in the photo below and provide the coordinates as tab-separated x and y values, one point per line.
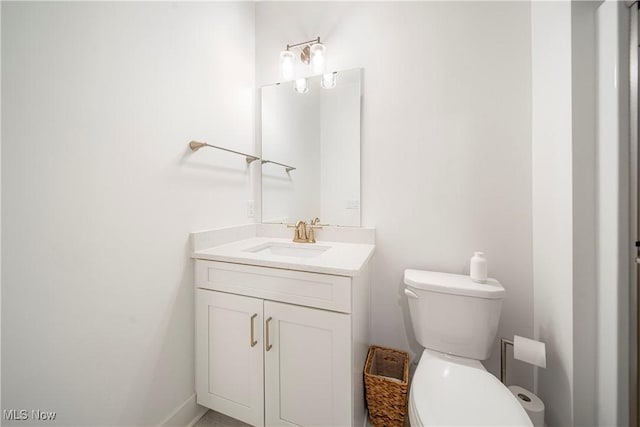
287	64
312	53
301	86
317	51
328	80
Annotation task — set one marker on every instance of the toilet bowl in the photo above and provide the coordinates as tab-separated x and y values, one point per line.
456	321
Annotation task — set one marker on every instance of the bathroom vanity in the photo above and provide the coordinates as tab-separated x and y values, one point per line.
282	328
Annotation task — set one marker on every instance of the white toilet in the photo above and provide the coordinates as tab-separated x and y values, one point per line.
456	321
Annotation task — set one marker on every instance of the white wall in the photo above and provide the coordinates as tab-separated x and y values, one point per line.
580	209
99	195
446	148
552	204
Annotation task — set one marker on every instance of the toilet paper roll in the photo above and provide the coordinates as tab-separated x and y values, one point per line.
529	351
533	406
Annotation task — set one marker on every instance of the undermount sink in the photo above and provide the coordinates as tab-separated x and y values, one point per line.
300	250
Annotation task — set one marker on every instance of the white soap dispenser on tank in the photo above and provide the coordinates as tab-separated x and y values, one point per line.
478	268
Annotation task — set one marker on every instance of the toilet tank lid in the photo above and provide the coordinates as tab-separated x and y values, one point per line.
456	284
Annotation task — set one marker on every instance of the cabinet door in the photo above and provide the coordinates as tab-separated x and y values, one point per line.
229	364
307	369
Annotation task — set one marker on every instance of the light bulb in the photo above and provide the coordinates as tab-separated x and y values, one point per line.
318	53
287	64
328	80
300	86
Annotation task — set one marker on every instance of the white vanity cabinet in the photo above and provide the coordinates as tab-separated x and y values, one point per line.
280	347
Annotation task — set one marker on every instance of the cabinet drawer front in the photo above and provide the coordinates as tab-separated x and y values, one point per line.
297	287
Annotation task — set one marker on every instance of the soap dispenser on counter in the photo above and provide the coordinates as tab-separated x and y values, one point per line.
478	268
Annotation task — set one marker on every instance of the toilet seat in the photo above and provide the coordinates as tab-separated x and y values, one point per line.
454	391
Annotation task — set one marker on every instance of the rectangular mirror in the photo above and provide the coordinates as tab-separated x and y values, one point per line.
317	132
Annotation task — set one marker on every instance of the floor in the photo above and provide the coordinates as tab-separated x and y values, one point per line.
216	419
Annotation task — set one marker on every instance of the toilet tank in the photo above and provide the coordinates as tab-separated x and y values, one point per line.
452	314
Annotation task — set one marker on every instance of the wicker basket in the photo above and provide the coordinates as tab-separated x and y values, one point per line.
386	379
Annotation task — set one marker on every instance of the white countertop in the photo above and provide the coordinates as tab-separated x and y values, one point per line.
342	259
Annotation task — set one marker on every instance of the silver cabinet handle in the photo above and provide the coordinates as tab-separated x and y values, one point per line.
267	345
253	341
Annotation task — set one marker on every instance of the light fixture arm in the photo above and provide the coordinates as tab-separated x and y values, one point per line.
308	42
312	52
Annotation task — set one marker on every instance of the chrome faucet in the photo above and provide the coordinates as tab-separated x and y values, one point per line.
301	235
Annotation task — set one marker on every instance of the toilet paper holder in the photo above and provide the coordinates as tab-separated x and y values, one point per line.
524	349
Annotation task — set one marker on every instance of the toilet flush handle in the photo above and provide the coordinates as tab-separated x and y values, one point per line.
408	292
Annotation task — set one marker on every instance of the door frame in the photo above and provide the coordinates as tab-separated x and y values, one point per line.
634	223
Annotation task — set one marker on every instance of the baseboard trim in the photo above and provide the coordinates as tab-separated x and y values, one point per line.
186	415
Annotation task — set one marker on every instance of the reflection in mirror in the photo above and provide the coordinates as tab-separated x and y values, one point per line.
317	133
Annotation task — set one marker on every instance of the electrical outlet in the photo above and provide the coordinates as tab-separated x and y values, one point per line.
353	204
251	208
